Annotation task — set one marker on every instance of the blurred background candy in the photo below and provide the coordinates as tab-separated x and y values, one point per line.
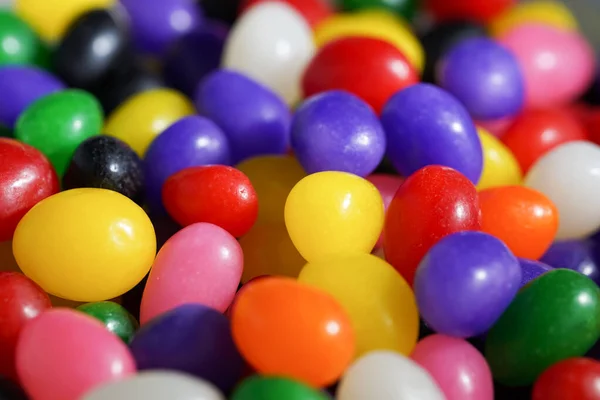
273	388
531	269
21	45
500	167
578	255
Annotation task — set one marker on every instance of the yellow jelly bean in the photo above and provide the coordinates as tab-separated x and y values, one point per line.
500	167
332	212
378	300
85	244
268	250
272	177
373	23
552	13
144	116
51	18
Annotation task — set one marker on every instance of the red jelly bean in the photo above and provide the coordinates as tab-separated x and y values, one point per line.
216	194
26	178
21	300
314	11
370	68
480	10
571	379
433	202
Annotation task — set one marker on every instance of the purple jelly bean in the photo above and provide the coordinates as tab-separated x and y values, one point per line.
425	125
191	338
531	269
485	77
465	282
191	141
578	255
337	131
156	24
20	86
255	120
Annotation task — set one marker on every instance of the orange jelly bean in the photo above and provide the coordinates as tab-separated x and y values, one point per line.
286	328
523	218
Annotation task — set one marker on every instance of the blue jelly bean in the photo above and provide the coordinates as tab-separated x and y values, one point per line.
531	269
578	255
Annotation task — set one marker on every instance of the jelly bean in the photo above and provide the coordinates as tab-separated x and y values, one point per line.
314	11
51	19
22	86
273	178
52	365
388	186
557	170
20	43
107	163
465	282
114	317
271	43
80	61
102	244
536	132
425	125
266	330
194	56
378	300
22	300
157	385
523	218
554	317
156	25
193	339
255	120
406	8
337	131
341	64
547	12
57	123
531	269
457	367
26	178
216	194
189	142
202	263
500	167
432	203
442	37
485	77
373	24
346	216
574	378
385	375
578	255
144	116
9	390
467	9
571	69
274	388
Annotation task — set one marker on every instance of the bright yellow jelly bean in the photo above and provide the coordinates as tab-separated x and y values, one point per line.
144	116
500	167
546	12
51	18
373	23
378	300
272	177
85	244
331	213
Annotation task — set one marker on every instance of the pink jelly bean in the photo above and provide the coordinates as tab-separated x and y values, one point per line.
63	353
458	368
558	65
387	185
202	263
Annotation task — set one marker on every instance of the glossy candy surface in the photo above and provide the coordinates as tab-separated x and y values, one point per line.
547	12
573	378
555	317
26	178
266	331
274	388
578	255
314	11
426	125
114	317
531	269
102	244
468	9
405	8
343	64
500	167
346	217
432	203
19	44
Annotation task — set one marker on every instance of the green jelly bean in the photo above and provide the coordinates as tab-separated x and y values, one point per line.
116	318
273	388
18	42
554	317
57	123
406	8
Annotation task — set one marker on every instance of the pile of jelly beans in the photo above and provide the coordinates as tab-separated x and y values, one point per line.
298	200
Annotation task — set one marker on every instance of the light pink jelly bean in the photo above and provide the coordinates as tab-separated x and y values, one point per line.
387	185
458	368
63	353
202	263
